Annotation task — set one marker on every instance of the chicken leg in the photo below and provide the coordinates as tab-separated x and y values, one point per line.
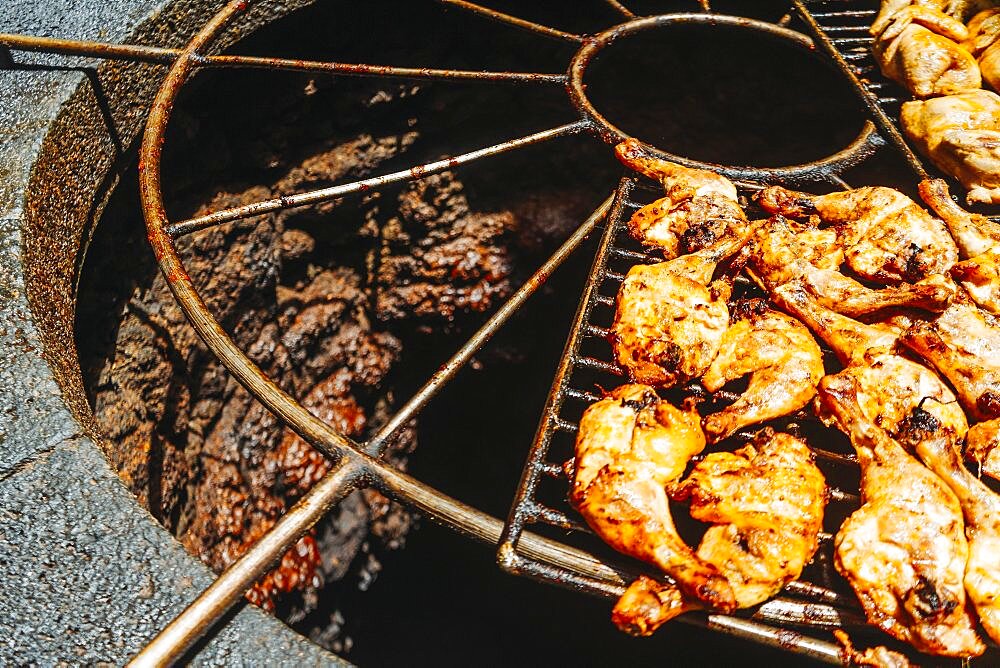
935	446
904	551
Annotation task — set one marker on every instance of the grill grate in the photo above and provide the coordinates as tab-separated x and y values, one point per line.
818	603
840	29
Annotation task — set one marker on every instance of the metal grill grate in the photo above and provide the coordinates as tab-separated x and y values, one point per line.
815	604
840	29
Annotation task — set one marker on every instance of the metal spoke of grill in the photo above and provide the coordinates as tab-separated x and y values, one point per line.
357	465
364	185
621	9
154	54
524	24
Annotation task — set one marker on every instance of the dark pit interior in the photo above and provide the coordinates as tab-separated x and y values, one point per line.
724	94
350	305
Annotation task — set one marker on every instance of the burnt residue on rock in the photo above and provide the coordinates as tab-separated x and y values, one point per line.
323	298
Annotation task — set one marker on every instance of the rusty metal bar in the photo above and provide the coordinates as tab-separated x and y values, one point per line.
313	196
153	54
170	644
500	17
621	9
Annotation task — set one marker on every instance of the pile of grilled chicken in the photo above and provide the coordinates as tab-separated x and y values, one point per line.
942	51
908	301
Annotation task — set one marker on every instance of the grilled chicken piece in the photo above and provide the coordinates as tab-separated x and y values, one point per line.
983	43
629	447
766	502
978	244
850	339
963	344
669	321
886	237
871	657
935	446
974	234
917	46
700	209
981	446
889	387
784	364
961	135
782	251
904	551
647	605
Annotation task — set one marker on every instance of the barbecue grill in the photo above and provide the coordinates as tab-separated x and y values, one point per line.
561	549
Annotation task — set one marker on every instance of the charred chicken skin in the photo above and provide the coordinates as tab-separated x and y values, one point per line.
904	551
700	208
885	235
781	251
961	135
934	444
782	359
629	447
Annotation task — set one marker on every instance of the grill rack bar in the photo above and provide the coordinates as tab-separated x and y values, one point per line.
860	53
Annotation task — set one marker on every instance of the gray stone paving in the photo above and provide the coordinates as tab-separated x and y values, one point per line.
86	575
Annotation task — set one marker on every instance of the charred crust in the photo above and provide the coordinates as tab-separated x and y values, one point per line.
930	603
918	424
915	268
649	398
748	309
988	403
702	235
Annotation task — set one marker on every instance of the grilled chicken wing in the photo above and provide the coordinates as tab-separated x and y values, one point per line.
983	43
978	243
904	551
784	364
936	447
782	251
766	502
963	344
974	234
871	657
886	237
917	46
629	447
700	209
961	135
669	320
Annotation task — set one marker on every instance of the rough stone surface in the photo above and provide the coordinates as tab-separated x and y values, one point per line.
86	575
